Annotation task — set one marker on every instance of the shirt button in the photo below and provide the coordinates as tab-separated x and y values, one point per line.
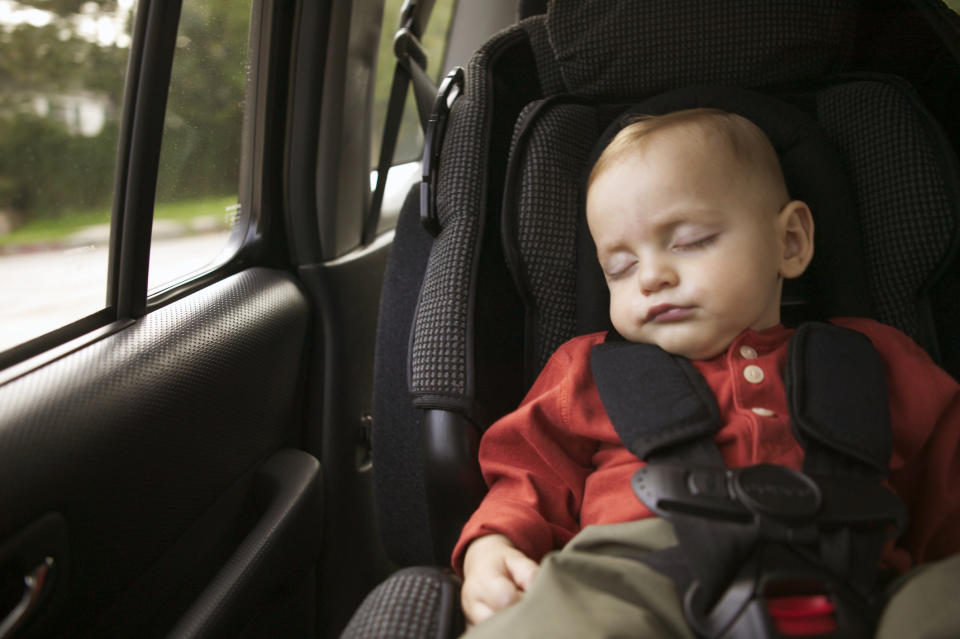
763	412
748	352
753	374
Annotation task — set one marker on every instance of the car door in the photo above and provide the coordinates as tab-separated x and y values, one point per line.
156	474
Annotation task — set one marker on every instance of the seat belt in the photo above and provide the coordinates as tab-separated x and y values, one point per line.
764	551
410	68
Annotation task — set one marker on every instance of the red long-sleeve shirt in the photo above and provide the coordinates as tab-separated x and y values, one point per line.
556	465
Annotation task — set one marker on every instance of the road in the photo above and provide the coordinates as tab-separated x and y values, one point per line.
43	290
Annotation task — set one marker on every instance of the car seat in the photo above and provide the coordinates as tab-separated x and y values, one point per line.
471	310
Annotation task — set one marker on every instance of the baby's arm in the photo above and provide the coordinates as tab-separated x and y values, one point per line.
495	574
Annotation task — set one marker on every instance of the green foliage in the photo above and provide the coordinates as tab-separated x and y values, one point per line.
44	170
201	145
51	168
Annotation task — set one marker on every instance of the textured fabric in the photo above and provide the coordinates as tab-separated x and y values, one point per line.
546	216
597	587
623	49
402	516
414	603
547	68
907	206
556	464
439	348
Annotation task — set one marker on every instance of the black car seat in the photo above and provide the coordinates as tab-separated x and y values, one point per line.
491	268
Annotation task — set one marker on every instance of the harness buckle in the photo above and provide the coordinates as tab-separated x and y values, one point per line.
777	491
781	503
779	594
791	579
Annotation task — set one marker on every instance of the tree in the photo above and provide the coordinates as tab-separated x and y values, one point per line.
48	73
48	167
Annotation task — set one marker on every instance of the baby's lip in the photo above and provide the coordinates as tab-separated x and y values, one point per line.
667	313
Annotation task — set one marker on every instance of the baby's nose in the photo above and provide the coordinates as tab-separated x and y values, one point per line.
656	274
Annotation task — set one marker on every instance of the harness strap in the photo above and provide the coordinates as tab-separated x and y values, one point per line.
633	377
837	396
844	428
665	413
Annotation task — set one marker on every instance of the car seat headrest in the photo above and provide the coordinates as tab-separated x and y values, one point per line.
835	282
600	53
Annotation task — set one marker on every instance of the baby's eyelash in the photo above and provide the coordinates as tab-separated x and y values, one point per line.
696	244
620	272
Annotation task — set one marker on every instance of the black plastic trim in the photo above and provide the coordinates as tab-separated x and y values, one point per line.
47	341
146	115
283	542
300	156
451	469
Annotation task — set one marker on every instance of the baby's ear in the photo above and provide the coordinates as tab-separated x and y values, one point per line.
796	238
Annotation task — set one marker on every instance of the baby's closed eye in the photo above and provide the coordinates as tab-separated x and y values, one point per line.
618	265
693	243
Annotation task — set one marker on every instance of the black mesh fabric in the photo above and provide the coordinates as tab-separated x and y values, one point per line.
438	350
544	229
622	49
906	202
414	603
548	70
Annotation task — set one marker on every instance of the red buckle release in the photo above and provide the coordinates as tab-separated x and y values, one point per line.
803	615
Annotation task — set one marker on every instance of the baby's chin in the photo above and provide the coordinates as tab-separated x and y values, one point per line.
691	348
696	351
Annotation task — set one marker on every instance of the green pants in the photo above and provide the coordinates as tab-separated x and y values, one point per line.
596	587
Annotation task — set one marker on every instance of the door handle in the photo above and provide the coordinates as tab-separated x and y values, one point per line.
33	583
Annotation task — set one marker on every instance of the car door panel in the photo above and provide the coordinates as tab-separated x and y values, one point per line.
147	444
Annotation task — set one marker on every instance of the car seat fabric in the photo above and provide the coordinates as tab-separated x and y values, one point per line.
907	194
428	309
415	603
539	223
556	80
622	49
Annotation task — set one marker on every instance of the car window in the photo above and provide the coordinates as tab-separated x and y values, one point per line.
62	68
197	203
434	41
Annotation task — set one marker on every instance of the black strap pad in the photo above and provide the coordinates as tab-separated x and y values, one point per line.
837	394
654	399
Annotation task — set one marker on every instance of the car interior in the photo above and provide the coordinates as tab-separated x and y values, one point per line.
284	444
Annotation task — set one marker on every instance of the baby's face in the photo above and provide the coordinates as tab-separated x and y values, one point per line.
690	247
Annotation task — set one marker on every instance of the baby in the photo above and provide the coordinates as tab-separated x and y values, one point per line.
695	233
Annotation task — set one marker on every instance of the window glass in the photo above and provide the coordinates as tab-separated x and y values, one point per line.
62	67
197	203
410	138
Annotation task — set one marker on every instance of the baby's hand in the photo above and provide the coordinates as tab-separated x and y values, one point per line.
495	574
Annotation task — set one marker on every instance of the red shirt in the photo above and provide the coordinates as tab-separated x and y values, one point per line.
556	465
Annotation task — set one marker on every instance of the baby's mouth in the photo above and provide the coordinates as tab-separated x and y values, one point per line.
662	313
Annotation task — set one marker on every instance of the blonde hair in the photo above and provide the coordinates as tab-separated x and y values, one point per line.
745	141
